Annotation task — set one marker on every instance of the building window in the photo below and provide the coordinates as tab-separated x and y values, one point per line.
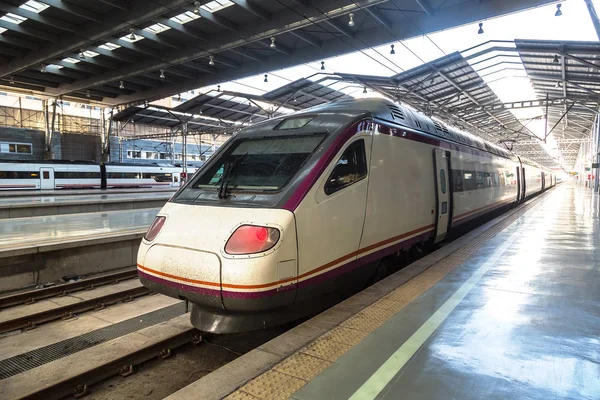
20	148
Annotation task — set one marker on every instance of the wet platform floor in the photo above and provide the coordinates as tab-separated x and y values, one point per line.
33	201
518	320
64	228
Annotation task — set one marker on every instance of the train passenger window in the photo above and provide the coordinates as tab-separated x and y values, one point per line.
350	168
469	179
457	180
45	174
443	181
479	179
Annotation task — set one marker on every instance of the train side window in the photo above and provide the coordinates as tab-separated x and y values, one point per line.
457	180
443	180
350	168
469	179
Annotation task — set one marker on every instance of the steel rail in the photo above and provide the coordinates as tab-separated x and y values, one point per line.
30	321
34	295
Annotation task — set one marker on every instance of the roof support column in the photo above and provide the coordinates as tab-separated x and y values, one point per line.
593	16
184	132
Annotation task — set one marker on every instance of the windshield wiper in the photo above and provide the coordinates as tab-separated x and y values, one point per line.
228	169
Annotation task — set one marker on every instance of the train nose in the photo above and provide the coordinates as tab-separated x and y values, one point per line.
221	258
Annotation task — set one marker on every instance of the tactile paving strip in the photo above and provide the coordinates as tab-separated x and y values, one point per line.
34	358
287	377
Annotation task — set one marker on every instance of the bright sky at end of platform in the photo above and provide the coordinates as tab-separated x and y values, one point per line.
539	23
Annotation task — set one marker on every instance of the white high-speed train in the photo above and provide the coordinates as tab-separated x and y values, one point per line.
295	212
48	175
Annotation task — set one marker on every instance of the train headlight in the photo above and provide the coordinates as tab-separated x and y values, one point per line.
251	239
155	228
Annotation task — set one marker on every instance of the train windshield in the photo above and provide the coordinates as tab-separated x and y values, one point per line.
261	164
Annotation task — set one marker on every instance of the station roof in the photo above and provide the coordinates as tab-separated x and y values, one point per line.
456	89
130	51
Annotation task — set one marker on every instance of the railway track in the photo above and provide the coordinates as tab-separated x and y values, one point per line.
26	310
74	348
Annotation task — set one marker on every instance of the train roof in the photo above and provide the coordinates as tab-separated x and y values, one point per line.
388	111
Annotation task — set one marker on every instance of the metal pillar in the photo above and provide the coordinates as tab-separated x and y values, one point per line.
106	132
184	132
49	128
593	16
596	128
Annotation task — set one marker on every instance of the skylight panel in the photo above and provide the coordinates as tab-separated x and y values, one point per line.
157	28
15	19
185	17
71	60
2	30
49	66
216	5
109	46
34	6
91	54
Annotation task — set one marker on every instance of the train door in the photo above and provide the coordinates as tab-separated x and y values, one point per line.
518	185
46	178
444	206
523	184
175	178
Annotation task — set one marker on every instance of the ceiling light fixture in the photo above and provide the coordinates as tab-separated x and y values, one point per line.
132	34
266	78
558	84
87	94
82	54
365	90
558	12
162	74
43	68
197	5
218	88
179	97
392	51
351	20
121	85
272	45
480	31
211	60
432	81
556	60
11	80
322	65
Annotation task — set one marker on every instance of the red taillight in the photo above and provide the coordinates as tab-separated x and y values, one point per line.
250	239
155	228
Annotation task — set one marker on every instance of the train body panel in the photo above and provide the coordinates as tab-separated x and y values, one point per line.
344	185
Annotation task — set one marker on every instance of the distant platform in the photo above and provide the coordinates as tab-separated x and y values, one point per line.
67	192
44	249
41	205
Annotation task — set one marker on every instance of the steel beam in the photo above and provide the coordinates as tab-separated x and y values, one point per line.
425	6
290	20
253	8
141	11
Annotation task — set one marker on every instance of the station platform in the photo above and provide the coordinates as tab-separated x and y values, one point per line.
43	249
509	311
69	192
31	206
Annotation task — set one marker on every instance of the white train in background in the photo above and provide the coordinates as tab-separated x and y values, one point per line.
294	213
50	175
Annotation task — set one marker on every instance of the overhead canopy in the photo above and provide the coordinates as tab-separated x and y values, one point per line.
129	51
564	76
305	93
